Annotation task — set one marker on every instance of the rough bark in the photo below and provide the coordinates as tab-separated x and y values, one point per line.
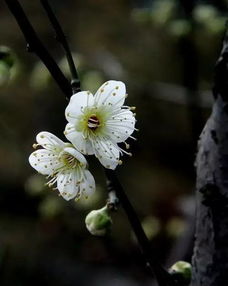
210	259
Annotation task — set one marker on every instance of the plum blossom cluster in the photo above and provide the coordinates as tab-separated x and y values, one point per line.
96	124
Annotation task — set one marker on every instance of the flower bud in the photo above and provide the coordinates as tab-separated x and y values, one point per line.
98	222
181	272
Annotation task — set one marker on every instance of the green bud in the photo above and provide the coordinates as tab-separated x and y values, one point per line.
98	222
182	272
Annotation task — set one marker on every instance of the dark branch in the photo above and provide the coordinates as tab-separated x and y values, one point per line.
75	83
36	46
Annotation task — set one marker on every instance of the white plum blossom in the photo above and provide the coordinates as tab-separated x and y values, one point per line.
98	122
63	165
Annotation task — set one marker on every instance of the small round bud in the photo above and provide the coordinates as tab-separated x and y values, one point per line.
98	222
181	272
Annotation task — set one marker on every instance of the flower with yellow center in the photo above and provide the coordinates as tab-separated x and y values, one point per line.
63	165
98	122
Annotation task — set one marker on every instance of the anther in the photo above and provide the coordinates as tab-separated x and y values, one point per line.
127	145
34	146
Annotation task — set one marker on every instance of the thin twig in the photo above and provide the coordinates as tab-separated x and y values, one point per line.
35	45
60	36
113	200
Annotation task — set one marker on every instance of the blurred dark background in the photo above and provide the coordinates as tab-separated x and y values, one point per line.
165	52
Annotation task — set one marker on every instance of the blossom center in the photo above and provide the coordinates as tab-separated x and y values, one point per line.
93	122
68	160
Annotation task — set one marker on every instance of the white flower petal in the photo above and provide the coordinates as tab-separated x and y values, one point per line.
44	161
107	153
77	103
67	184
49	141
76	138
120	126
88	186
112	93
76	155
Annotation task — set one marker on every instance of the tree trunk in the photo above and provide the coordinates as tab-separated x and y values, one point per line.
210	259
